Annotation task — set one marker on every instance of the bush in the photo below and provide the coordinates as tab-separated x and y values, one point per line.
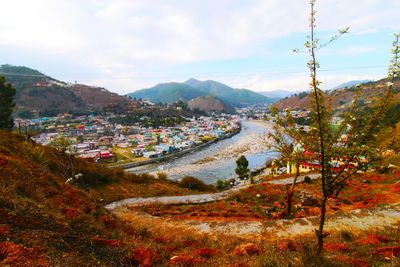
162	175
193	183
307	180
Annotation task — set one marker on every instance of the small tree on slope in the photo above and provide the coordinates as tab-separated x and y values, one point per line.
360	148
7	104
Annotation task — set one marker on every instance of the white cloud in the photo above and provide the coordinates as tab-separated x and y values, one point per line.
114	37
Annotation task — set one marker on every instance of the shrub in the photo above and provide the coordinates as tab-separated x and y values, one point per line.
193	183
307	180
247	249
162	175
143	256
207	252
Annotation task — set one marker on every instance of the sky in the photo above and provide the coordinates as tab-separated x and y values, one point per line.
126	45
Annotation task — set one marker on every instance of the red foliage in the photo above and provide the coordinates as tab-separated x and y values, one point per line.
277	204
143	256
336	247
108	220
4	229
314	211
373	240
289	245
106	242
163	240
12	254
3	162
71	213
185	260
207	252
301	214
389	251
352	261
277	215
247	249
396	188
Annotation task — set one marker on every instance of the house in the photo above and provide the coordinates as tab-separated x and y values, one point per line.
151	154
106	154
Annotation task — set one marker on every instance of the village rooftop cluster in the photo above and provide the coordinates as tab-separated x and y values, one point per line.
97	139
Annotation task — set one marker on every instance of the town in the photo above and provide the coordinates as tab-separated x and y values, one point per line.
98	139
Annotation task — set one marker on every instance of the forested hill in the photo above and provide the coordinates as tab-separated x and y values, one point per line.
43	95
192	88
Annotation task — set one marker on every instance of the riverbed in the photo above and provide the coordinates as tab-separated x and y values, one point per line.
218	161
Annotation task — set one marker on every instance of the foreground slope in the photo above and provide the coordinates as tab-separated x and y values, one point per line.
45	221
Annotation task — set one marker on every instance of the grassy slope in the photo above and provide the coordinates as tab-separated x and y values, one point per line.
44	221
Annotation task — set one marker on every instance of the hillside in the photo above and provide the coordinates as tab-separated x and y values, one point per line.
192	88
45	221
210	104
341	98
168	93
40	94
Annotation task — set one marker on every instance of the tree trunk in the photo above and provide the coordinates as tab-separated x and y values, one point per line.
290	192
320	231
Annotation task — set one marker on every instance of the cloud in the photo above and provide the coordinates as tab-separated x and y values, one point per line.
141	36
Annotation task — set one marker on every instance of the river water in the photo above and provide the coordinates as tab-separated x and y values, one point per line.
218	161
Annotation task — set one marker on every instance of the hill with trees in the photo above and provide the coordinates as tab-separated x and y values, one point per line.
40	94
192	88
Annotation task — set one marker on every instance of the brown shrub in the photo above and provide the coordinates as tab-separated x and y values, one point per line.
193	183
247	249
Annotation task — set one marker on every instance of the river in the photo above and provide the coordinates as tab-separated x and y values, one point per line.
218	161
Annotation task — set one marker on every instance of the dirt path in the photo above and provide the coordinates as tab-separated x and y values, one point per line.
194	199
357	220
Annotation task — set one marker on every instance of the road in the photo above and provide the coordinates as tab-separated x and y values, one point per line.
195	199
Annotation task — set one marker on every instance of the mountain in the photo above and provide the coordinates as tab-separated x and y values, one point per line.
168	93
278	94
351	84
210	104
192	88
42	94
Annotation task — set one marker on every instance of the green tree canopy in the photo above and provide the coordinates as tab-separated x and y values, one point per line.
242	167
7	104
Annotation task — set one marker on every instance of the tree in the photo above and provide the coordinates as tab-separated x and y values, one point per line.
360	148
289	141
7	104
242	167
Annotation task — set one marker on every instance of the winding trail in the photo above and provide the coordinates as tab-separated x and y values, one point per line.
356	220
195	199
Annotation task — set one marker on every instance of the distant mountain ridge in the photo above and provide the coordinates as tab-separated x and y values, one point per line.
42	94
278	94
351	84
192	88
